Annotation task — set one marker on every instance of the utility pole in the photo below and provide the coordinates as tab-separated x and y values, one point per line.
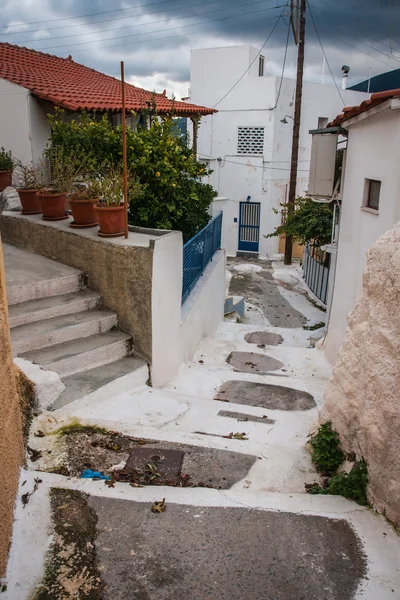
296	124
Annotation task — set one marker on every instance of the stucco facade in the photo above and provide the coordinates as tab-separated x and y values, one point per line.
372	153
24	127
11	447
362	396
255	101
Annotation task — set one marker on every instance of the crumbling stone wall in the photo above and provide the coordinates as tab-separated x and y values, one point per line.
362	398
11	446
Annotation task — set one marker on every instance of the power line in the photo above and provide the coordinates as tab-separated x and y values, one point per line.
255	58
323	52
283	67
366	26
71	46
169	37
152	23
86	15
361	41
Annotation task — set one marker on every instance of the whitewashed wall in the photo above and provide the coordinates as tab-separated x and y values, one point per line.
177	330
203	310
254	101
373	152
24	128
14	120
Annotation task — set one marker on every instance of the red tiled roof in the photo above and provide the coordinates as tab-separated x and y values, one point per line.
352	111
76	87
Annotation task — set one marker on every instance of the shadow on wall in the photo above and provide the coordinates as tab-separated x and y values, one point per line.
362	396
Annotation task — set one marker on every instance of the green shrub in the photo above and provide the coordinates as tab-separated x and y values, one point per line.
6	160
309	221
351	485
326	453
173	195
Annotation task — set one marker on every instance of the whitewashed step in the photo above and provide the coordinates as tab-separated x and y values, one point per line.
61	329
79	355
129	370
55	306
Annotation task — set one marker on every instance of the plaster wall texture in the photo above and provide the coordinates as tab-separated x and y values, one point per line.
362	396
23	122
11	448
373	150
166	296
255	101
203	311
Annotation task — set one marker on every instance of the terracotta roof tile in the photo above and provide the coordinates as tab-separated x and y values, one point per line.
352	111
76	87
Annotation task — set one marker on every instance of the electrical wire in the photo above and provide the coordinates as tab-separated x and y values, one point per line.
323	52
366	26
105	12
361	41
142	24
71	46
283	68
233	162
255	58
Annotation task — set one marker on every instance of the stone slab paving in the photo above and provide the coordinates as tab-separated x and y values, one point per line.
265	395
199	553
252	362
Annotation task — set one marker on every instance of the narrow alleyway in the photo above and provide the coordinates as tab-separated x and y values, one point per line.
241	412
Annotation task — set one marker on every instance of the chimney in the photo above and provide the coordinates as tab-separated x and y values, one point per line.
345	71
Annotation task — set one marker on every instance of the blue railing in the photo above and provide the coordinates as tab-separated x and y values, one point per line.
198	252
316	268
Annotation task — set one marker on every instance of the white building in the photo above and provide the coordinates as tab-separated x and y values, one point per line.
370	200
248	142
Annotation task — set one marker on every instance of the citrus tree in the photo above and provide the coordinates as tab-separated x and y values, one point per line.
173	196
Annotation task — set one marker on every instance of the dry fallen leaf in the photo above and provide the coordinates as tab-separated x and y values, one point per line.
158	507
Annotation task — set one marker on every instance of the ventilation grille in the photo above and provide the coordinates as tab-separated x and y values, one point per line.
250	140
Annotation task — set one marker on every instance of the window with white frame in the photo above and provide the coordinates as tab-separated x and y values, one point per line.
250	140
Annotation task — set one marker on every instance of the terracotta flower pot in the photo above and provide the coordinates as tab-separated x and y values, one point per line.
30	201
83	212
5	179
53	206
111	220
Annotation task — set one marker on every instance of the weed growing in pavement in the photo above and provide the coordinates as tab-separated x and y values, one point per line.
76	427
326	453
351	485
314	327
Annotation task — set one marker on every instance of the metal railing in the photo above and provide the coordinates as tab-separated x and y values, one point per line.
198	252
316	268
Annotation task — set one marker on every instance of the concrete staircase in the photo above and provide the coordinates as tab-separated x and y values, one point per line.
59	324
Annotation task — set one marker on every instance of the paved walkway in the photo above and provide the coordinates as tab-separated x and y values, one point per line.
259	537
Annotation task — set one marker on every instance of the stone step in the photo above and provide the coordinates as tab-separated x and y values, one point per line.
62	329
132	371
54	306
81	354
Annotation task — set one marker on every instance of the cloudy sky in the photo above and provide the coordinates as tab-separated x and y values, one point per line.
154	37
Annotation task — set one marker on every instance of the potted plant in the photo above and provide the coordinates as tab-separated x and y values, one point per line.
63	171
110	208
6	168
27	180
82	202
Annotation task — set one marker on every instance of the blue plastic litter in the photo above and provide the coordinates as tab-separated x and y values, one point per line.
89	474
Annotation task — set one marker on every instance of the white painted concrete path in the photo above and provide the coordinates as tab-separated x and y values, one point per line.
179	411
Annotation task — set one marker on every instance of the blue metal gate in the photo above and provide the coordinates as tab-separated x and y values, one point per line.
249	226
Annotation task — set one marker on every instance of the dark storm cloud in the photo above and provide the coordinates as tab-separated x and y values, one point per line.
155	36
